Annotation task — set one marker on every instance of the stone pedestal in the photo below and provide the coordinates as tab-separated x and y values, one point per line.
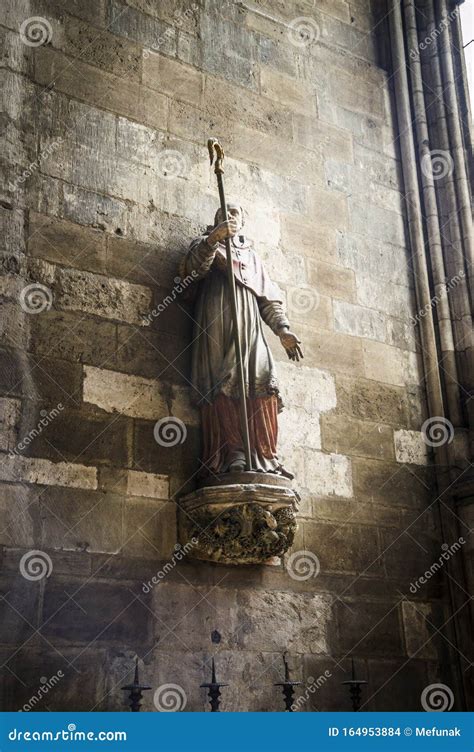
239	518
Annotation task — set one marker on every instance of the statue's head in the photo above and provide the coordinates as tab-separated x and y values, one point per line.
233	210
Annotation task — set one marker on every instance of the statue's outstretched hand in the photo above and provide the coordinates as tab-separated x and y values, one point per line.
291	343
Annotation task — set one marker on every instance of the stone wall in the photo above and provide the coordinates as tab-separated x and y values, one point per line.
108	180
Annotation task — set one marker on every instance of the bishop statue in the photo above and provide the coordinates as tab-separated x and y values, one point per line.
215	383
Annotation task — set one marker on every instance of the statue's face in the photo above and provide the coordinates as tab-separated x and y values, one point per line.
235	212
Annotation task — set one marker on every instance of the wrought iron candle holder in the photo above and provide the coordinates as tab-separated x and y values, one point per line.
355	690
135	689
288	688
214	690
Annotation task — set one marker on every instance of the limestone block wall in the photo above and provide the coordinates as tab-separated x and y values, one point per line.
105	121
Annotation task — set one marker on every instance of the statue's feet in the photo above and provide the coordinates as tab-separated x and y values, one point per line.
237	462
237	466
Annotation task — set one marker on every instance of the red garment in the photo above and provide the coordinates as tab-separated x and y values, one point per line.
222	434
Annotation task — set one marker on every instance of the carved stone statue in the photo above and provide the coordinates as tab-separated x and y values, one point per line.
243	511
214	362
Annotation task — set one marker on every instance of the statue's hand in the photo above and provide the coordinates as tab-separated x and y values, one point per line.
223	230
291	343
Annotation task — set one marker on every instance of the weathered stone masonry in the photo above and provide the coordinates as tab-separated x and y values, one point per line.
311	151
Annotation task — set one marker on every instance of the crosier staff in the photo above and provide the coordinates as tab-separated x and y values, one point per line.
213	144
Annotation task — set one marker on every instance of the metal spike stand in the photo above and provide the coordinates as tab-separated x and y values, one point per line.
135	689
288	688
214	690
355	689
